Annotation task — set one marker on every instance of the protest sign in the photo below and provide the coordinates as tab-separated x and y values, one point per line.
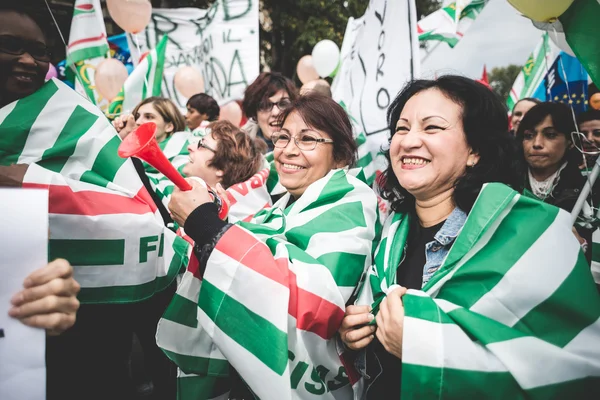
22	250
220	42
379	55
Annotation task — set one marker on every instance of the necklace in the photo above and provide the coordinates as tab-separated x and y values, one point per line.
542	189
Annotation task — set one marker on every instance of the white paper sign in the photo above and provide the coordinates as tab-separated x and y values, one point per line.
23	249
221	43
379	56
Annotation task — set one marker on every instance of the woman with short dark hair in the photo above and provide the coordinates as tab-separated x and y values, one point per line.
264	100
473	284
201	109
302	258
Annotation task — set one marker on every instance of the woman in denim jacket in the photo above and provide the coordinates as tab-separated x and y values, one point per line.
441	313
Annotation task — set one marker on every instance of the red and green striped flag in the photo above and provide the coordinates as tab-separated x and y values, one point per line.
145	81
88	47
450	23
272	296
102	219
511	313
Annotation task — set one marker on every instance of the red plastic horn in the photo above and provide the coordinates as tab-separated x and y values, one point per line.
142	144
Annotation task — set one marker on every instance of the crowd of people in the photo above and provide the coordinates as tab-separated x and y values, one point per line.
421	304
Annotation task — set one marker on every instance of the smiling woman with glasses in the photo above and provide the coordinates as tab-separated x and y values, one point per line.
225	155
311	247
264	100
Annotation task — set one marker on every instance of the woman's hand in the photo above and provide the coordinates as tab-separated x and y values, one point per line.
354	331
124	125
390	322
183	203
49	299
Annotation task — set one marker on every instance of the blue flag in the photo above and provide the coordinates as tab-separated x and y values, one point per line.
565	82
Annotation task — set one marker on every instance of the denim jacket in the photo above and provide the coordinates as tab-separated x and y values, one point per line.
436	251
435	254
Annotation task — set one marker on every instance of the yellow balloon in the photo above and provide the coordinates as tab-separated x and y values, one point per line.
541	10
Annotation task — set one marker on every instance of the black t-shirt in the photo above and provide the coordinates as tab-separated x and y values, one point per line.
409	275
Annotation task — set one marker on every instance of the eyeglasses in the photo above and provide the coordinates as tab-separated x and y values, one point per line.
17	46
267	105
204	145
305	141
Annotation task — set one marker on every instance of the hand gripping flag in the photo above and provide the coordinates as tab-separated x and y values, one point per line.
273	295
102	219
512	311
145	81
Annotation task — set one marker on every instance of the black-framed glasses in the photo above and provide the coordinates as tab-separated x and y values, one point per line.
17	46
305	140
267	105
204	145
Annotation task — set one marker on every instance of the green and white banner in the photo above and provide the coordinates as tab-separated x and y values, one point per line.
450	23
87	48
272	296
102	219
145	81
509	313
534	71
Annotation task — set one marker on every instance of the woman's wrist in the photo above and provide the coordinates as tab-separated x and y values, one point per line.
203	224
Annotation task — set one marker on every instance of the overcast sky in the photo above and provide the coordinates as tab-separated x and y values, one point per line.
499	36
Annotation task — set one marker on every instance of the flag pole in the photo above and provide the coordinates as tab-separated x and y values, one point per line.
587	188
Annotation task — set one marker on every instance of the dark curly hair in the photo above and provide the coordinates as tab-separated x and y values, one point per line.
485	123
562	120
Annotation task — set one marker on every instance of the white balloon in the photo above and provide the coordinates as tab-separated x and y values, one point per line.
560	40
326	57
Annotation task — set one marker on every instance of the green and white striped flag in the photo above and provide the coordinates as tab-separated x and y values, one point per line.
87	48
145	81
580	23
535	69
273	295
511	313
102	219
450	23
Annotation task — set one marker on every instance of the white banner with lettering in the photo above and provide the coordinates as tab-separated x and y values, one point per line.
379	55
220	42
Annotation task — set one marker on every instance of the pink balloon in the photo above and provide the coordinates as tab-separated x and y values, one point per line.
231	112
109	77
188	81
306	70
52	72
131	15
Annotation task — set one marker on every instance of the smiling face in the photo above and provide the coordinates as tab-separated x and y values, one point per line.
147	113
298	169
544	147
21	75
267	116
429	150
201	154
